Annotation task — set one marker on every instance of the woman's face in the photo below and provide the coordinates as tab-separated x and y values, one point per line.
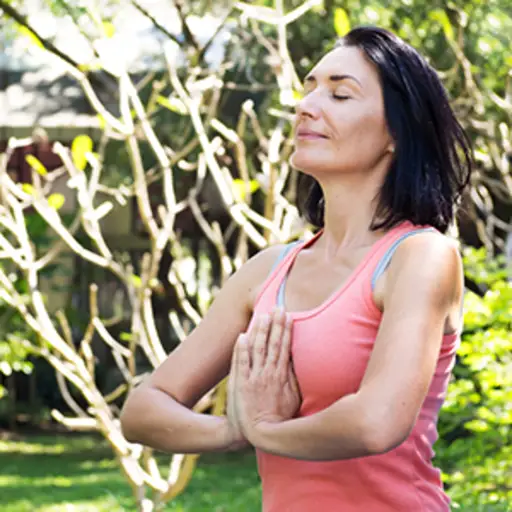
340	125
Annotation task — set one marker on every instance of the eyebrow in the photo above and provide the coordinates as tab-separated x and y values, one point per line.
334	78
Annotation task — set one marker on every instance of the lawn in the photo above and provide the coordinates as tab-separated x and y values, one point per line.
76	473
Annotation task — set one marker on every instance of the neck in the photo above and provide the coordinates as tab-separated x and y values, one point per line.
350	205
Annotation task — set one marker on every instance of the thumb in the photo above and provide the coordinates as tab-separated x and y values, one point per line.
292	380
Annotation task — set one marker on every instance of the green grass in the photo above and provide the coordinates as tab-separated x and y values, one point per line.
76	473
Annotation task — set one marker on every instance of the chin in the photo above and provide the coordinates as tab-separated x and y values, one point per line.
309	163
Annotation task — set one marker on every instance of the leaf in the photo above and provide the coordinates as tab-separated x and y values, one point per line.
440	16
90	66
297	95
101	122
136	281
36	164
240	188
341	22
126	336
477	426
82	144
56	201
5	368
28	189
24	31
108	29
172	104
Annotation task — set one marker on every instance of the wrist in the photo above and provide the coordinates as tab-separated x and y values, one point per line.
230	439
260	435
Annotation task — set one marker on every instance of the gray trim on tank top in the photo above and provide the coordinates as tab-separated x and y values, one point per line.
379	270
386	259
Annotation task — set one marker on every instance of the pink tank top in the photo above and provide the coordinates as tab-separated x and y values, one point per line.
331	347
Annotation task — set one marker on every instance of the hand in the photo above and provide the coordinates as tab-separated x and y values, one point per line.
262	386
236	438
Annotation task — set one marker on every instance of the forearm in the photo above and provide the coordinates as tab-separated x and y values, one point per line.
338	432
152	418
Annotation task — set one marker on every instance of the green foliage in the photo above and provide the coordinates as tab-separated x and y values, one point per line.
13	331
475	447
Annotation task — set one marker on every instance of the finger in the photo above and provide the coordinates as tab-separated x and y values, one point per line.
231	404
275	337
259	342
283	363
243	358
232	372
233	356
292	380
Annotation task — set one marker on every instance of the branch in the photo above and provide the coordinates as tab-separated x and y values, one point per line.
205	48
77	424
70	401
156	146
22	20
221	178
189	36
90	216
153	20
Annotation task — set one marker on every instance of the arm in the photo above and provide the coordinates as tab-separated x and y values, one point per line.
425	284
158	412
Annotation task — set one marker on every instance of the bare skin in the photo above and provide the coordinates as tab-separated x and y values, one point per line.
342	140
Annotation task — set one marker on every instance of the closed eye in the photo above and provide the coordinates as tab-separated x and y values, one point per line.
338	97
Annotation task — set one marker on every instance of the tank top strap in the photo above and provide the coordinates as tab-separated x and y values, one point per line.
385	259
282	264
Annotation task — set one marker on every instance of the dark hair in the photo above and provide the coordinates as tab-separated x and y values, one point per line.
432	160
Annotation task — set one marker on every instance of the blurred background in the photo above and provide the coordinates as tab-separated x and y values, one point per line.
144	152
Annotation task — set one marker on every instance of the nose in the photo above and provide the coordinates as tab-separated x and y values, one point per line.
308	106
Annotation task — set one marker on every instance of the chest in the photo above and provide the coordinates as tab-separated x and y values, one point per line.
311	282
331	350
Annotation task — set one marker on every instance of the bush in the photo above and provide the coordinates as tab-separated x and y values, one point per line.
475	447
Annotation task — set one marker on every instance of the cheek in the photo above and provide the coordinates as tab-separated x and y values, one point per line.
363	132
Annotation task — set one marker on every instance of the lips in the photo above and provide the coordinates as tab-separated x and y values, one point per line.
309	134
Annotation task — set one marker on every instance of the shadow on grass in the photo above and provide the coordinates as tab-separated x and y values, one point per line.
46	473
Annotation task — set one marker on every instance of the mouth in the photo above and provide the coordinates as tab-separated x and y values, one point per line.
310	135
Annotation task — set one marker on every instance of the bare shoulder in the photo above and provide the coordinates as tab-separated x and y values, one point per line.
429	262
258	269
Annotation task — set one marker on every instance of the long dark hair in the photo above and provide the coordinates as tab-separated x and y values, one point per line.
432	160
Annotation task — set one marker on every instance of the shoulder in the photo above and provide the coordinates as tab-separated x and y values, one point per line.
251	276
430	262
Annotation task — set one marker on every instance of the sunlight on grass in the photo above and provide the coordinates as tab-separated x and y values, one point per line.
31	449
79	474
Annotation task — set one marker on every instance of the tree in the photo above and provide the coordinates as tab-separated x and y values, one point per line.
225	165
191	101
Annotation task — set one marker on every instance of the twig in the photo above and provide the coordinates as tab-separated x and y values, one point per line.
155	22
189	36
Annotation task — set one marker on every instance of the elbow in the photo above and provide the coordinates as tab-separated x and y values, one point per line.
383	436
132	414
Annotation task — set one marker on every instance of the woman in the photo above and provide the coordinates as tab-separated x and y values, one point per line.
346	344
